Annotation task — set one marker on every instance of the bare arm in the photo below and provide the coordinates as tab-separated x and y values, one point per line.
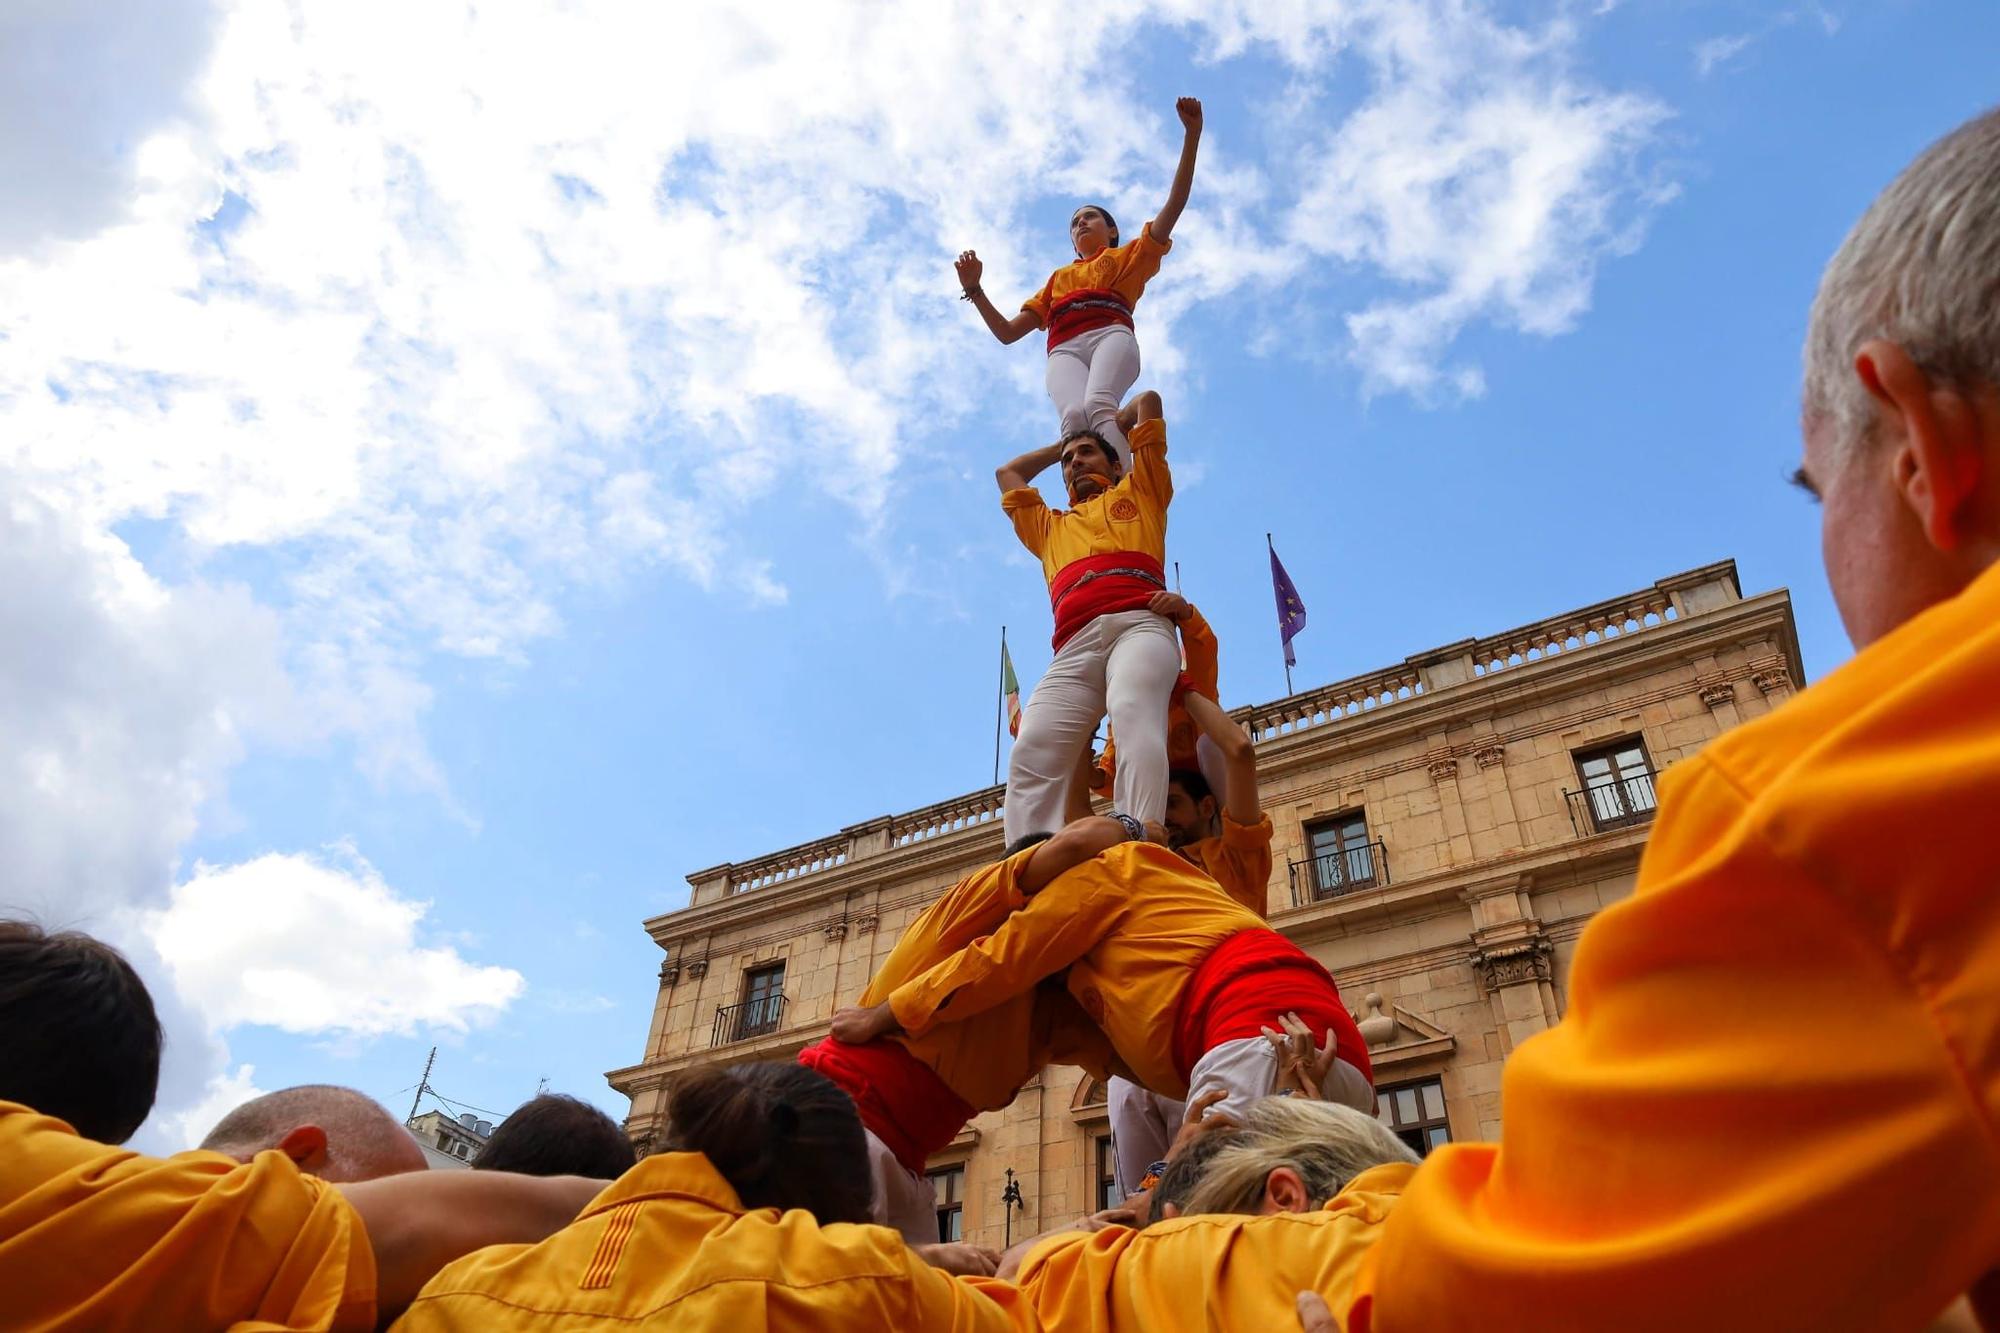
1077	843
419	1222
1023	470
1162	226
1239	756
1005	329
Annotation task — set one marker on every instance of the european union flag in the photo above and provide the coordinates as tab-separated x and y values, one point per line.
1291	611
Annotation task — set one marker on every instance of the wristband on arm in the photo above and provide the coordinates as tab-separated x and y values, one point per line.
1134	830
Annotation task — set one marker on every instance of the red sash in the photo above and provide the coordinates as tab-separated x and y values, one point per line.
901	1100
1085	309
1077	600
1242	987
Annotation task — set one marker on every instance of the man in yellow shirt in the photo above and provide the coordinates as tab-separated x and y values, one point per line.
1104	559
915	1093
1290	1200
334	1133
1183	981
1772	1103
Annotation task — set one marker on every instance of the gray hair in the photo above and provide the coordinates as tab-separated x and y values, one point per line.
1920	269
1326	1143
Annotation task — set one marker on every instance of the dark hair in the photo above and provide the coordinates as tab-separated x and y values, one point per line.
1191	781
1024	842
78	1036
555	1135
1110	222
1103	445
1184	1172
782	1135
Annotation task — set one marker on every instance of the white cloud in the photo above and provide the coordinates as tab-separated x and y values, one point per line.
1717	51
310	945
185	1127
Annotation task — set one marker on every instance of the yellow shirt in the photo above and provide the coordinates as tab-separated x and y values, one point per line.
95	1237
669	1246
1239	859
1211	1271
1130	516
1772	1101
986	1059
1131	925
1124	269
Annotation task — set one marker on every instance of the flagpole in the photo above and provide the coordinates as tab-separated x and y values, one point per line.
1177	578
999	704
1281	627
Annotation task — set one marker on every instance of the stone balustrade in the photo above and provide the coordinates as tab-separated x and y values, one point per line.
805	859
970	810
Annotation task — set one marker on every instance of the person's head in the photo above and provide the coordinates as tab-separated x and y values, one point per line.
1025	841
1092	230
1190	813
1288	1155
334	1133
78	1036
1186	1167
1089	465
782	1135
1901	411
554	1135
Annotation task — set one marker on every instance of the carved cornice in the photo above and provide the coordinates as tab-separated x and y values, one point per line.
1514	963
1772	679
866	923
834	931
670	973
1490	754
698	969
1443	768
1716	693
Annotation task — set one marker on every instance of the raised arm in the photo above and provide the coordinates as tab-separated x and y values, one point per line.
1239	756
1162	226
1021	471
1005	329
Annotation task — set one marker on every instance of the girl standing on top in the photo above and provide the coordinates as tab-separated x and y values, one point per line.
1087	306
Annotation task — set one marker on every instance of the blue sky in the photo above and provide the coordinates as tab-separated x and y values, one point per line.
460	507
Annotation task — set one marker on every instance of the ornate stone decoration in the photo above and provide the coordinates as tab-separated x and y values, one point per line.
1490	755
698	968
1716	693
1378	1029
1443	768
1772	679
670	972
1514	964
866	923
835	930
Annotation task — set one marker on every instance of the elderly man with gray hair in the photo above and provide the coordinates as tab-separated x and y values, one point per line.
1773	1101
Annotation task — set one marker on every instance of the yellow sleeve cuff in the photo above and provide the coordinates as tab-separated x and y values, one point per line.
1025	497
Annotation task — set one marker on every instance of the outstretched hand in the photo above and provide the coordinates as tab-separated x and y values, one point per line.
1302	1065
956	1256
1197	1121
969	269
857	1027
1189	110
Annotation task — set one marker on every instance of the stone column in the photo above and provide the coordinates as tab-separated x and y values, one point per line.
1513	959
1443	768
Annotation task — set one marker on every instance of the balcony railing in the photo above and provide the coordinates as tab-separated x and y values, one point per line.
1614	804
1360	865
752	1018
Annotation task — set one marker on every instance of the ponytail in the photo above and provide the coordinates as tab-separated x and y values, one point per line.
782	1135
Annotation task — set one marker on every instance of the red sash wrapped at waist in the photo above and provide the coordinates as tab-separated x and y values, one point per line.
1099	585
901	1100
1085	309
1243	986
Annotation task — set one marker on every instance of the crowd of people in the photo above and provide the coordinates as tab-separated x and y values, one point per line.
1773	1102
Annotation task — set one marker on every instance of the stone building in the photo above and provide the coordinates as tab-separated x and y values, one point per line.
450	1143
1445	829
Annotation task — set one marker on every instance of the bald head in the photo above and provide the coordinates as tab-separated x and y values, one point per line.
337	1134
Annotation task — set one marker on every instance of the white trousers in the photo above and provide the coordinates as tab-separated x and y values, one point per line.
903	1200
1143	1125
1123	664
1247	1069
1089	377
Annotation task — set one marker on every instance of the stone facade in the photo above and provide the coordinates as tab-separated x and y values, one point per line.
1474	846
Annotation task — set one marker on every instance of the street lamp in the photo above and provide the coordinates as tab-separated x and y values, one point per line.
1011	1197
